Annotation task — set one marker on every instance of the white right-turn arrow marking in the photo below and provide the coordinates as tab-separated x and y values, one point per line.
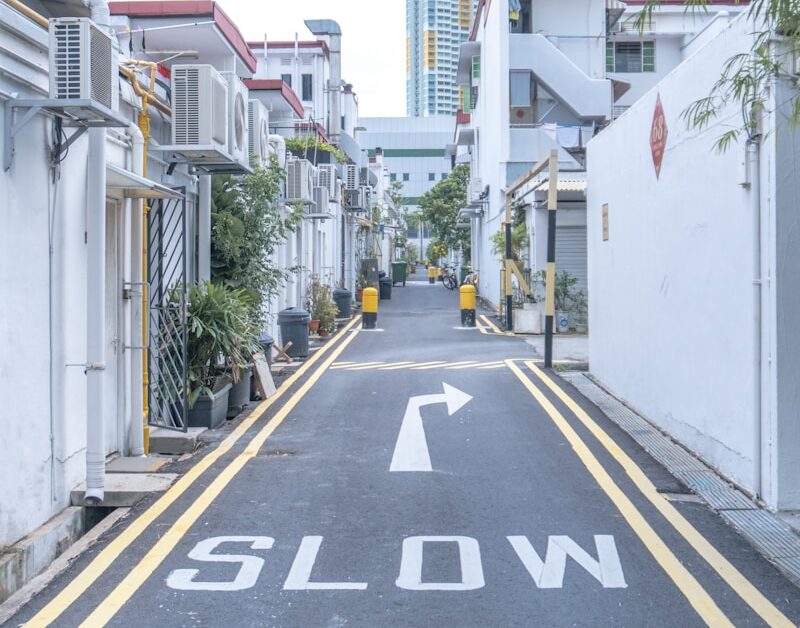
411	451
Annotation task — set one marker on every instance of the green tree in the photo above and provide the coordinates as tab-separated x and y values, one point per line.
441	204
246	227
745	77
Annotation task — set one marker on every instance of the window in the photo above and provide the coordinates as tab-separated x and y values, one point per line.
406	176
307	91
519	16
444	176
287	78
431	176
520	82
393	176
630	56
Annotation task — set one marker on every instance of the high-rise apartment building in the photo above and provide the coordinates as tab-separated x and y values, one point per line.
434	31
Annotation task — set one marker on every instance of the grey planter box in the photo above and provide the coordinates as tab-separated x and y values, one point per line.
239	396
211	411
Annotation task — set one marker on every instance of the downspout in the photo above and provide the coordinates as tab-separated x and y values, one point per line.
137	339
754	169
204	229
96	298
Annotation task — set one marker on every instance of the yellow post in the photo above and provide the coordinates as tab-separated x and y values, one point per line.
431	274
369	318
441	273
467	300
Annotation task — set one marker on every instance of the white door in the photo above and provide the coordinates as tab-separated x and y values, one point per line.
114	386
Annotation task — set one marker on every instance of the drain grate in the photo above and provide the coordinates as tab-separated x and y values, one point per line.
774	540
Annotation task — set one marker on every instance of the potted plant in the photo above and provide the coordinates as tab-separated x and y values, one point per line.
327	316
221	341
361	283
564	297
319	301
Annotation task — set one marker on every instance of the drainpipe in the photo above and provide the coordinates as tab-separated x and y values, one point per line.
204	229
137	339
754	171
96	298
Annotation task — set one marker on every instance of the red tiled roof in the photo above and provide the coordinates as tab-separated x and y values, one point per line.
179	8
276	84
462	118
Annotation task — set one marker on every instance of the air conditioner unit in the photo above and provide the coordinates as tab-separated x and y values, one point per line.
321	199
351	177
299	181
237	119
354	200
199	114
326	178
258	131
475	189
83	63
522	115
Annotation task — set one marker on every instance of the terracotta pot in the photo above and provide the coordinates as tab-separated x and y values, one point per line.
359	294
313	326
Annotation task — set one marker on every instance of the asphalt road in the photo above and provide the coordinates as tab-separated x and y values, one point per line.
412	478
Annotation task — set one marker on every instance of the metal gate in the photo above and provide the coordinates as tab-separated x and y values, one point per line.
168	333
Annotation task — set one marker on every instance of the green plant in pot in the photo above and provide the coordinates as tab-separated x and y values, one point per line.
222	339
319	303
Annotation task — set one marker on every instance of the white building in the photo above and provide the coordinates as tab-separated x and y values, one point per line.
693	263
414	153
434	31
533	81
74	308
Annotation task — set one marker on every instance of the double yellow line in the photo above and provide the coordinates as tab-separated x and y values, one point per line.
697	596
147	565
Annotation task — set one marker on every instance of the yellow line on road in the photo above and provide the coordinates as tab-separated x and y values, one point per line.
743	587
697	596
112	551
494	327
109	607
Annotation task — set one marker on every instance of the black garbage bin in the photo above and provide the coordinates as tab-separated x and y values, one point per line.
266	341
293	322
343	299
386	287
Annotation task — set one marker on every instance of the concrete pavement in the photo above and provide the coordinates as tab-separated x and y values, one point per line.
423	475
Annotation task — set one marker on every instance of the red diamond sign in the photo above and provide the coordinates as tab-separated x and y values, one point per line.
658	136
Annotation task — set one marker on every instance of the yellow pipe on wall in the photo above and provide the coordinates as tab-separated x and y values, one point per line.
40	19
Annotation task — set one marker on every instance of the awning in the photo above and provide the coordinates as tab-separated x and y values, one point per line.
564	185
465	137
126	184
466	51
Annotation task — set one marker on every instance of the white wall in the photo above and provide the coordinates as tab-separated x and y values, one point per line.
671	291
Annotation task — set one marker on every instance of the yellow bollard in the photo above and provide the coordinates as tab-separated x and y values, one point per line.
467	299
431	274
441	273
369	309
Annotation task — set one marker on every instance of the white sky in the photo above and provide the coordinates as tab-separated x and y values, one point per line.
373	41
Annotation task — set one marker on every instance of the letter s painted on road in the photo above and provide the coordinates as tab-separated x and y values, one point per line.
183	579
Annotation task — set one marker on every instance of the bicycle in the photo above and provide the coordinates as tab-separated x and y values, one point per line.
471	279
449	278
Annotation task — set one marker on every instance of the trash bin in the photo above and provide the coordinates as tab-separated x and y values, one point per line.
464	273
399	270
293	322
344	301
266	341
386	288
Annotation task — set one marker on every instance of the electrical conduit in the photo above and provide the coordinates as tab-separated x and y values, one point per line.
137	311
